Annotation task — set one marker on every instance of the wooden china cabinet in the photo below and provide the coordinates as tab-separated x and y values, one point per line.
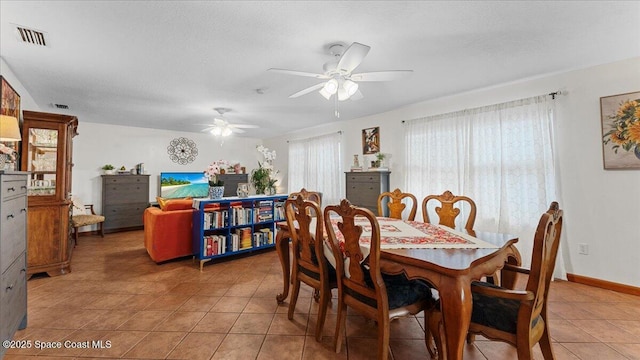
47	156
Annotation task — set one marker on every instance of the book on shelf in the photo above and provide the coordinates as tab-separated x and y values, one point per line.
356	169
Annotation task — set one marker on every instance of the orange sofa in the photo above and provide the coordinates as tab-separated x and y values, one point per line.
168	231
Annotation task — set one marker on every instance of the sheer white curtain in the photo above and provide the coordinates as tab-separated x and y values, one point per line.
501	156
315	164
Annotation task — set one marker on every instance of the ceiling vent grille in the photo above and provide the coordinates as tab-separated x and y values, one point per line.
31	36
61	106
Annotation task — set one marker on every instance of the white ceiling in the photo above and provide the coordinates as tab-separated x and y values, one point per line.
167	64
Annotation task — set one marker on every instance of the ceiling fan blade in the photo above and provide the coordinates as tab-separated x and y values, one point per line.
306	91
299	73
208	128
243	126
357	96
236	130
352	57
381	75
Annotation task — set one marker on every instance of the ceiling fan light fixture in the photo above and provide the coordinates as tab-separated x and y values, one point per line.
324	93
331	86
350	87
226	131
216	131
342	94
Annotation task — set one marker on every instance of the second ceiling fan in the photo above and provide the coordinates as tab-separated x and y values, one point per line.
340	80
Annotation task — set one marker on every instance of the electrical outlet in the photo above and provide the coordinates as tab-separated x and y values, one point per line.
583	249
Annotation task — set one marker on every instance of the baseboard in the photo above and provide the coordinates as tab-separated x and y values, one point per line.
626	289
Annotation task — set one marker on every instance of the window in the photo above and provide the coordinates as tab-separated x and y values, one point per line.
501	156
315	164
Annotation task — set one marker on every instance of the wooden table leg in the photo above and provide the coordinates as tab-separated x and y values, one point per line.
282	247
456	305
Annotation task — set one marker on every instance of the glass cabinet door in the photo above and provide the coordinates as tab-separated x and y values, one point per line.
42	160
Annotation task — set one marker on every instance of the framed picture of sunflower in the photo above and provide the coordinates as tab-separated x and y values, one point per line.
621	130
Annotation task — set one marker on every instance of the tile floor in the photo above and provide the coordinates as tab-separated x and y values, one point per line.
117	294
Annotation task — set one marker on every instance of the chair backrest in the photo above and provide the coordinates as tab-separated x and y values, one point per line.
395	205
308	195
359	279
447	213
543	258
307	240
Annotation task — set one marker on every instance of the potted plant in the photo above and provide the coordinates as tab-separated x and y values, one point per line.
380	159
261	178
108	169
216	186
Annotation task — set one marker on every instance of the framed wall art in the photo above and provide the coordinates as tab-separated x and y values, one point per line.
620	116
10	106
371	140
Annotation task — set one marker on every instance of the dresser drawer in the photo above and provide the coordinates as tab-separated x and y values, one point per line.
127	215
363	177
13	230
12	186
126	179
13	295
126	193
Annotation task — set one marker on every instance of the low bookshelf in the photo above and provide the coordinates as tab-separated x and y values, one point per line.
234	225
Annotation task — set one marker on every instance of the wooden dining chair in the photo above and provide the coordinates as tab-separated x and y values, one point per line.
517	317
447	212
395	205
308	195
309	263
361	285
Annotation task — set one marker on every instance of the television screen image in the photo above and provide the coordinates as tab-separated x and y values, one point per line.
183	184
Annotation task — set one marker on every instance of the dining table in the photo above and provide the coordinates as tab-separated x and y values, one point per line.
448	259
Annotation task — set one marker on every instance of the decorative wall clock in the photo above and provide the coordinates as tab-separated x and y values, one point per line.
182	150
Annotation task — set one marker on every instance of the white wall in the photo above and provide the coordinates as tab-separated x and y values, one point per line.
601	207
100	144
26	101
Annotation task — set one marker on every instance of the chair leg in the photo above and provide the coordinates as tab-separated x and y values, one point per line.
75	236
340	323
325	295
383	339
545	345
294	296
428	336
435	329
101	229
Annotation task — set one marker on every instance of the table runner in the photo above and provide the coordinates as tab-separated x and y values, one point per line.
404	234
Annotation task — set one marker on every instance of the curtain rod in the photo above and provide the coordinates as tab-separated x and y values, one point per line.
552	94
313	137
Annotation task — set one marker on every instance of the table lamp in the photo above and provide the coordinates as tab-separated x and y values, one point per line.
9	129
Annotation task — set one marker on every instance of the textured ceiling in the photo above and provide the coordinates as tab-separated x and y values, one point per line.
167	64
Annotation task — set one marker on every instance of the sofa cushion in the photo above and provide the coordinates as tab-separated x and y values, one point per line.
174	204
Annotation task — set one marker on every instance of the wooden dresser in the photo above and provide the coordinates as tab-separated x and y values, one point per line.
231	182
364	187
13	258
124	198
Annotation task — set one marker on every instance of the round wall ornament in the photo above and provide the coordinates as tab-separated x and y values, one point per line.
182	150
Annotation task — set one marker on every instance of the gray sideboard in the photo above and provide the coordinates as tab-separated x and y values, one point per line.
124	198
13	257
363	188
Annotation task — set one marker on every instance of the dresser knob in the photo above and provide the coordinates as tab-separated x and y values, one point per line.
23	210
10	216
23	187
9	287
11	189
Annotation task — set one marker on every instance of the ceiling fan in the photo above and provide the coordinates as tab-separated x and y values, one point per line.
221	127
338	73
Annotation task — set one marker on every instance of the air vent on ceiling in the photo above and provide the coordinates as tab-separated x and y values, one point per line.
61	106
31	36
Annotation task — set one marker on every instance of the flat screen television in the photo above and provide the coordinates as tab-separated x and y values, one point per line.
182	184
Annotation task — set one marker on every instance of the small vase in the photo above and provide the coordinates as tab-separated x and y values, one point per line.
637	151
216	192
